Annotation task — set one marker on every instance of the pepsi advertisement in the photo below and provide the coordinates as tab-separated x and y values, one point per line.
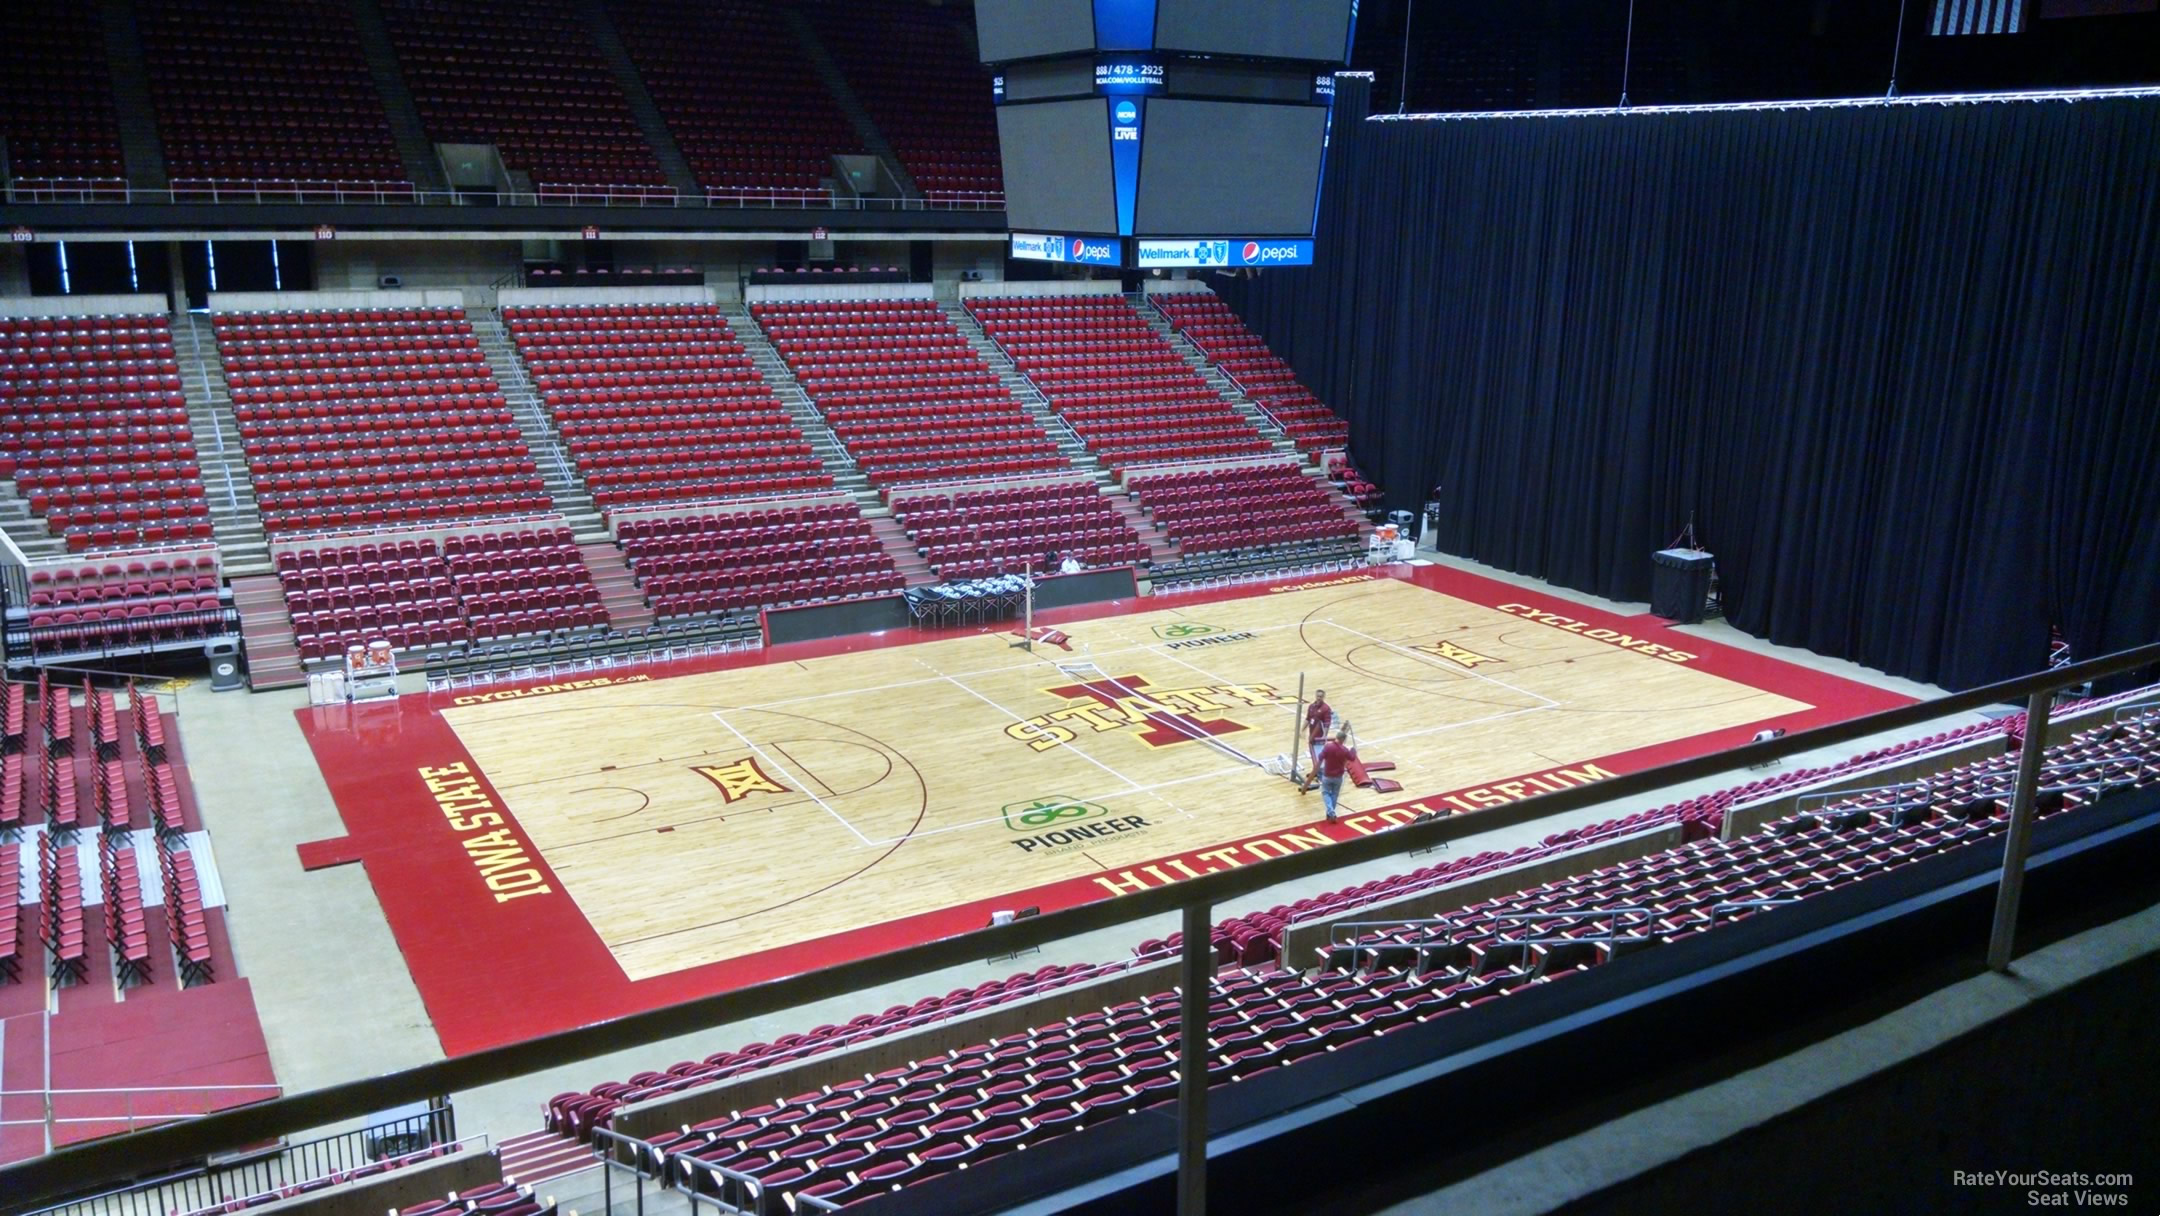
1078	250
1226	253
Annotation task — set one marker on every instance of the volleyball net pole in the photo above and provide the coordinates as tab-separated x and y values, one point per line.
1027	613
1297	731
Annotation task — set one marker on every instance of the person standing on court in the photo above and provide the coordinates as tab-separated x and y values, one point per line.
1318	718
1334	761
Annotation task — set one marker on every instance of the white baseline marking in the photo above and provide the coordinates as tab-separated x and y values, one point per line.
1130	784
1041	658
1408	734
799	782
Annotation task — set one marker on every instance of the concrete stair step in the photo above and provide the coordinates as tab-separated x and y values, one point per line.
543	1156
901	548
266	633
843	94
619	593
1161	549
650	123
415	150
141	151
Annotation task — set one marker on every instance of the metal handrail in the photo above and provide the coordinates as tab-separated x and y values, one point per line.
2136	768
1741	905
67	1169
727	1183
274	191
1580	914
282	1165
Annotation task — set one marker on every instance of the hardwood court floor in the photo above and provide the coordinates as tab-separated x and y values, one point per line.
674	832
708	816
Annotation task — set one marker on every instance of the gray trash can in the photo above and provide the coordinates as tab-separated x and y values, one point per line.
224	656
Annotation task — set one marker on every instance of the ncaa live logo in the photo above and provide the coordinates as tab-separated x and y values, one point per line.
1127	128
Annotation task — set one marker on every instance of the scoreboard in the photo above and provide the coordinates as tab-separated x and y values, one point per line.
1156	133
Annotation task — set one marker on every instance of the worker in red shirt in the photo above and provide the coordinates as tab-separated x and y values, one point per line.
1319	717
1333	762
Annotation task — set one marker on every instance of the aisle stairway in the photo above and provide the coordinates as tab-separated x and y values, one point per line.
234	520
543	1156
1161	549
901	547
619	593
1024	391
847	479
415	150
843	93
1223	385
273	654
650	123
140	148
557	472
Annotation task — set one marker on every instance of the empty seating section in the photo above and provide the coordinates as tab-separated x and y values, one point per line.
530	581
979	533
12	935
744	560
372	418
94	430
1127	393
416	594
126	601
398	591
578	1113
56	107
1242	507
60	879
58	757
912	69
525	76
1352	483
1239	352
771	133
660	403
853	1140
1706	882
905	393
185	917
269	96
126	933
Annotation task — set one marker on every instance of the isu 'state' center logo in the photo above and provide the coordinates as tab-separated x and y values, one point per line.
1157	717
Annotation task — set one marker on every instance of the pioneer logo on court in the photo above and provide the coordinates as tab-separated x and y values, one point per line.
1178	631
1193	635
739	780
1054	811
1158	717
1058	825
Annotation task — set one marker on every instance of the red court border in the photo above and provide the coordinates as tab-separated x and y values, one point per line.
494	971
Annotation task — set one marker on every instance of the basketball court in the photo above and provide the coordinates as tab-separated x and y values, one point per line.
655	835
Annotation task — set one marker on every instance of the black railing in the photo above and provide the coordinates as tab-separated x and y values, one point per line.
66	1171
275	1169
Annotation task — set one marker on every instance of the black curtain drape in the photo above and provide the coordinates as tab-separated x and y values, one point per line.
1900	363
